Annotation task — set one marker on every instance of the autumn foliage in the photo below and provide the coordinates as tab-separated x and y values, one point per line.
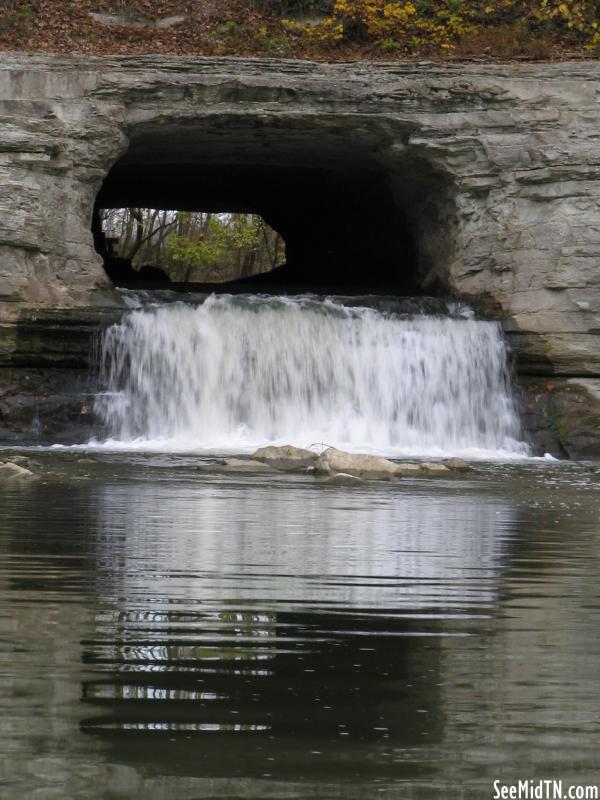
320	29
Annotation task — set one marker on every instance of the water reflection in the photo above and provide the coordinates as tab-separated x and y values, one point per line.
312	619
287	640
302	546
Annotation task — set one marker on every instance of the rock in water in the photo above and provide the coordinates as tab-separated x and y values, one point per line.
408	468
343	479
10	471
456	465
285	457
434	468
244	464
357	464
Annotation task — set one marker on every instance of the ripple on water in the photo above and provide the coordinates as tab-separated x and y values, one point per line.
231	635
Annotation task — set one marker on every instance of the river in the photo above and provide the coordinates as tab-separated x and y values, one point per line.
170	630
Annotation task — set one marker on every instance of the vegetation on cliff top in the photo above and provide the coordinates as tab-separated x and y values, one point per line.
319	29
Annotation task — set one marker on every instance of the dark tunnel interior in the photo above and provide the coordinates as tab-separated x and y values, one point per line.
347	226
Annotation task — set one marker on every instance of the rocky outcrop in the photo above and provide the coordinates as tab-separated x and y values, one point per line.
46	385
285	457
561	416
488	175
338	467
333	461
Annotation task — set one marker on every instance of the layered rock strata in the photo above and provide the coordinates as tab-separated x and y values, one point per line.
493	172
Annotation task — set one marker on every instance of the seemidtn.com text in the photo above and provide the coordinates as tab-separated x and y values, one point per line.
543	790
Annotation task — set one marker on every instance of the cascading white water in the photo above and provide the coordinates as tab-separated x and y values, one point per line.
235	373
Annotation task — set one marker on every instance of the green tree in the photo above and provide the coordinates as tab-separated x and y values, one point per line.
193	246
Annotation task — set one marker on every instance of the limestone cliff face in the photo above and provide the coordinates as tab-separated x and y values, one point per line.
496	168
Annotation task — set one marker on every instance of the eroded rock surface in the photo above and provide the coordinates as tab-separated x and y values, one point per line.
495	165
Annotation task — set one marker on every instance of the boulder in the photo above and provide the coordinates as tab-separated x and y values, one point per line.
456	465
22	461
285	457
25	461
11	471
407	469
434	468
357	464
244	465
343	479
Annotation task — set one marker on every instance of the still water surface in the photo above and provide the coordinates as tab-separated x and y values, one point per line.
170	631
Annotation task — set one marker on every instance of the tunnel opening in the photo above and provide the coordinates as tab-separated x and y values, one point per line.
349	221
152	247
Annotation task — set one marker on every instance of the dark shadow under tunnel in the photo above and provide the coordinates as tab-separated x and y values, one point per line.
351	224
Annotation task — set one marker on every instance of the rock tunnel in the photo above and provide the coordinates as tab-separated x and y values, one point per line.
475	180
351	221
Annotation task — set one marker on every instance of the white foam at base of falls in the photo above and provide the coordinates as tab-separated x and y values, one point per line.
236	373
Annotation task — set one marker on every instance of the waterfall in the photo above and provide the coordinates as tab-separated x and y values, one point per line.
235	373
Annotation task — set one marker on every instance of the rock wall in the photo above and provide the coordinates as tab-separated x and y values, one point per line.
495	167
